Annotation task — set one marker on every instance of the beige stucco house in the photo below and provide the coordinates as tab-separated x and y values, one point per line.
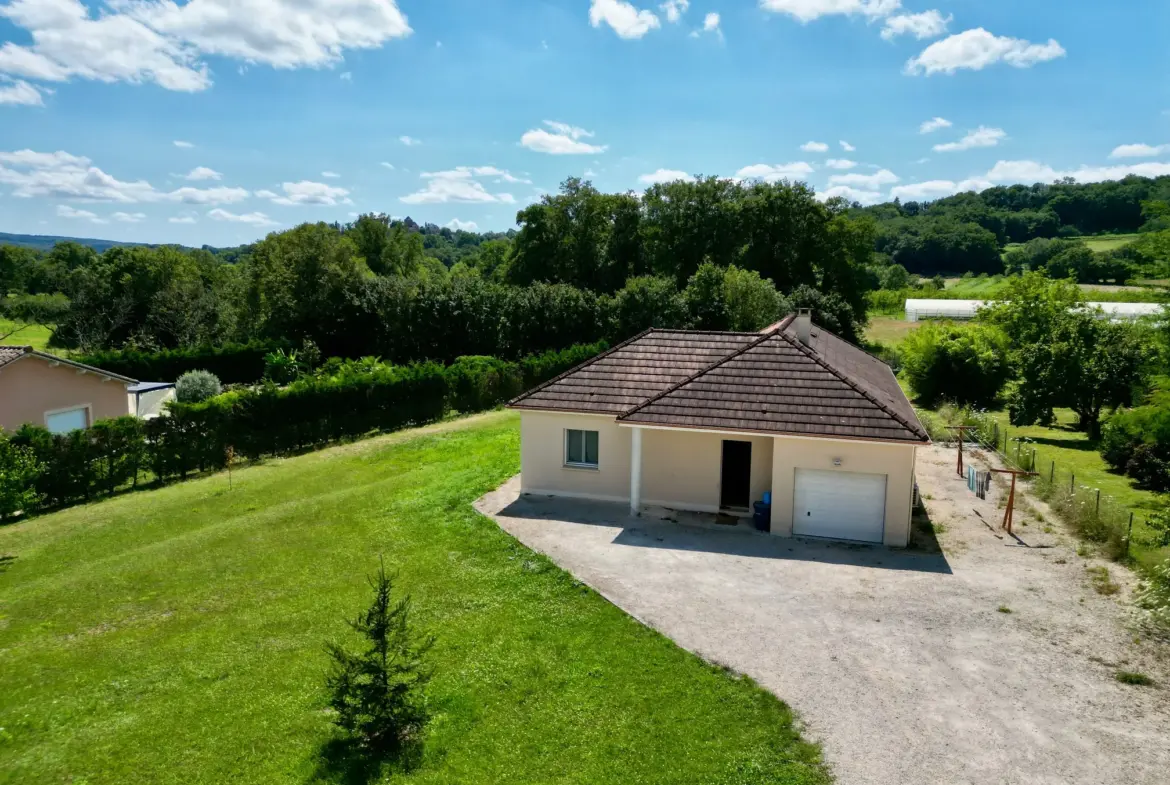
63	395
711	421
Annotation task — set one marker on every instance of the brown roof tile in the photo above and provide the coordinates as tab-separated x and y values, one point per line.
767	383
10	353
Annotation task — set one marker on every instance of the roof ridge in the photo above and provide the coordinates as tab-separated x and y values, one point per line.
703	332
579	366
915	428
751	344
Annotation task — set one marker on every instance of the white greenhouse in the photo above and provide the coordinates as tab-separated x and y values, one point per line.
916	310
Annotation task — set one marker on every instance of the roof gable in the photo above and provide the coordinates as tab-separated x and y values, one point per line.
779	385
766	382
10	354
628	374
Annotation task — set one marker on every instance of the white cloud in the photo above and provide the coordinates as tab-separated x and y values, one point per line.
65	211
808	10
253	219
840	163
182	144
869	182
1032	172
388	165
308	192
165	43
219	195
980	137
928	24
330	175
771	173
458	185
20	93
181	219
203	173
976	49
466	226
674	9
846	146
563	139
664	176
129	218
1139	150
815	147
62	175
850	194
710	25
626	20
410	141
925	191
936	124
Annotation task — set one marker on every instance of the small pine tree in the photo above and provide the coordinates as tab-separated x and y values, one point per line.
378	693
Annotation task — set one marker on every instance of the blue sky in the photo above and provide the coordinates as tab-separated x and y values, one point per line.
216	121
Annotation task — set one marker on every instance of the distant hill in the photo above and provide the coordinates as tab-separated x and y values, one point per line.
44	242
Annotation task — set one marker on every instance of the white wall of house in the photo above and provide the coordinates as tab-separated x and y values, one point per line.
682	469
542	457
896	461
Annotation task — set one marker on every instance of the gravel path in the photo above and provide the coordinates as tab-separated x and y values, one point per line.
900	663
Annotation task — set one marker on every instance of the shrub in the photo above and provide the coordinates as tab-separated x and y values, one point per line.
965	364
281	367
1153	602
232	363
378	692
196	386
19	469
1137	442
477	383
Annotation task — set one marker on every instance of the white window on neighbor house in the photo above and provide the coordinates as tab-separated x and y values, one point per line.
66	420
581	449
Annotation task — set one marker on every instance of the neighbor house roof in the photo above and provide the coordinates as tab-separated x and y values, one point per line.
10	354
766	382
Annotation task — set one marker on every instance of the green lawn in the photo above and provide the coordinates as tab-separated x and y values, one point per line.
1108	242
890	330
29	335
176	636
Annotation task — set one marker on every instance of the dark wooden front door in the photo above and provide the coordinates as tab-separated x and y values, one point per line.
736	487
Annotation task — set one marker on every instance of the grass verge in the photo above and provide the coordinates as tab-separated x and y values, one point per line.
176	636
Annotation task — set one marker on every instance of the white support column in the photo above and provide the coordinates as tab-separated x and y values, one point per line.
635	470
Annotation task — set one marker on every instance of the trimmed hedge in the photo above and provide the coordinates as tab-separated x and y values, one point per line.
232	363
346	400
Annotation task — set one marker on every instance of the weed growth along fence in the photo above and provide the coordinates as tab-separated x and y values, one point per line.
1095	516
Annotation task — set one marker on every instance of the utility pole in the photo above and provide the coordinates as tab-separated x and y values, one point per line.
1011	503
961	429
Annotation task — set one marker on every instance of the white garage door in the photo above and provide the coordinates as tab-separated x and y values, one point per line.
841	505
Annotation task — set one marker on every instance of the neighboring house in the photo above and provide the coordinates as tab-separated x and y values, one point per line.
63	395
712	421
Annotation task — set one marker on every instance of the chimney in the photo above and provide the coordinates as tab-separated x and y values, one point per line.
802	325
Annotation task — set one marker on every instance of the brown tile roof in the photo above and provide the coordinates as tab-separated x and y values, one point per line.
779	385
766	383
631	372
10	353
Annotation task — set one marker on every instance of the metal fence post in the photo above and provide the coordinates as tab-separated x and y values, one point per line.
1097	512
1129	534
1072	481
1052	473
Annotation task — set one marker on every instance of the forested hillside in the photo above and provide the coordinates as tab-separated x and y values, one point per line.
583	266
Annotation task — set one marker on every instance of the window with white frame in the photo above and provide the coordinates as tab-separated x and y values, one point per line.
67	420
581	448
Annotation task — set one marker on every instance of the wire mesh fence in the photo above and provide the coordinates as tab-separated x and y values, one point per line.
1096	516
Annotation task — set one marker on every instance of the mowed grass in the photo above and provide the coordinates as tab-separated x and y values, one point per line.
176	636
1109	242
34	335
889	330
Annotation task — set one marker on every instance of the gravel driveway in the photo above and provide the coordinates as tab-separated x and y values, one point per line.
899	662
